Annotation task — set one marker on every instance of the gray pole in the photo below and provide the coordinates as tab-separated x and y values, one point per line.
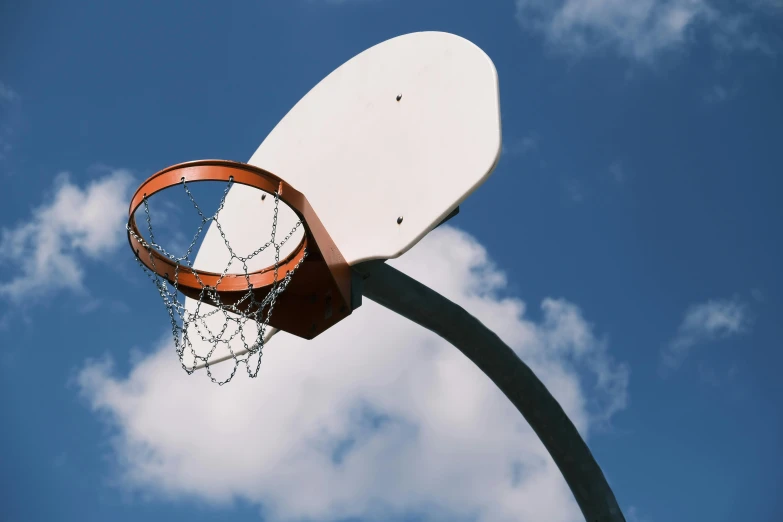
409	298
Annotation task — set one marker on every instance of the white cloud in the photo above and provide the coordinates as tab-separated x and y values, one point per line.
712	320
639	29
48	251
373	418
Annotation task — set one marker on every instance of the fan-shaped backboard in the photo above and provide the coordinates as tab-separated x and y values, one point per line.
384	148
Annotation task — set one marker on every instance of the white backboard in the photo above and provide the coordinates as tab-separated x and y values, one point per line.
407	129
364	159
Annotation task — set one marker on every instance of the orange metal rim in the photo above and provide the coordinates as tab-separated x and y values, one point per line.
215	170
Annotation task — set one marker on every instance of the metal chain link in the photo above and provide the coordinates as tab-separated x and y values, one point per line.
235	315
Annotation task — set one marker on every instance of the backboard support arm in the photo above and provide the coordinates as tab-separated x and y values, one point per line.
404	295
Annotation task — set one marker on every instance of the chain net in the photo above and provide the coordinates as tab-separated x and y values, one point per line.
241	326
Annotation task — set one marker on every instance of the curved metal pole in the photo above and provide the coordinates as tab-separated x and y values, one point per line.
406	296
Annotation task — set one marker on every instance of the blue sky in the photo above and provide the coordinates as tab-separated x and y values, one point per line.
630	235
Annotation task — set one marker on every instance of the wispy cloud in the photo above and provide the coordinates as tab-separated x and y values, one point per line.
375	418
634	516
47	251
9	112
521	146
7	94
574	190
617	172
638	29
60	460
711	376
719	93
772	5
709	321
716	94
5	142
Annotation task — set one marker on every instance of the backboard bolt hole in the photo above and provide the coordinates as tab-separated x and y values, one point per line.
399	220
399	97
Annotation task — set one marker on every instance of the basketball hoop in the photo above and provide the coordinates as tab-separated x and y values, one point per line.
309	289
